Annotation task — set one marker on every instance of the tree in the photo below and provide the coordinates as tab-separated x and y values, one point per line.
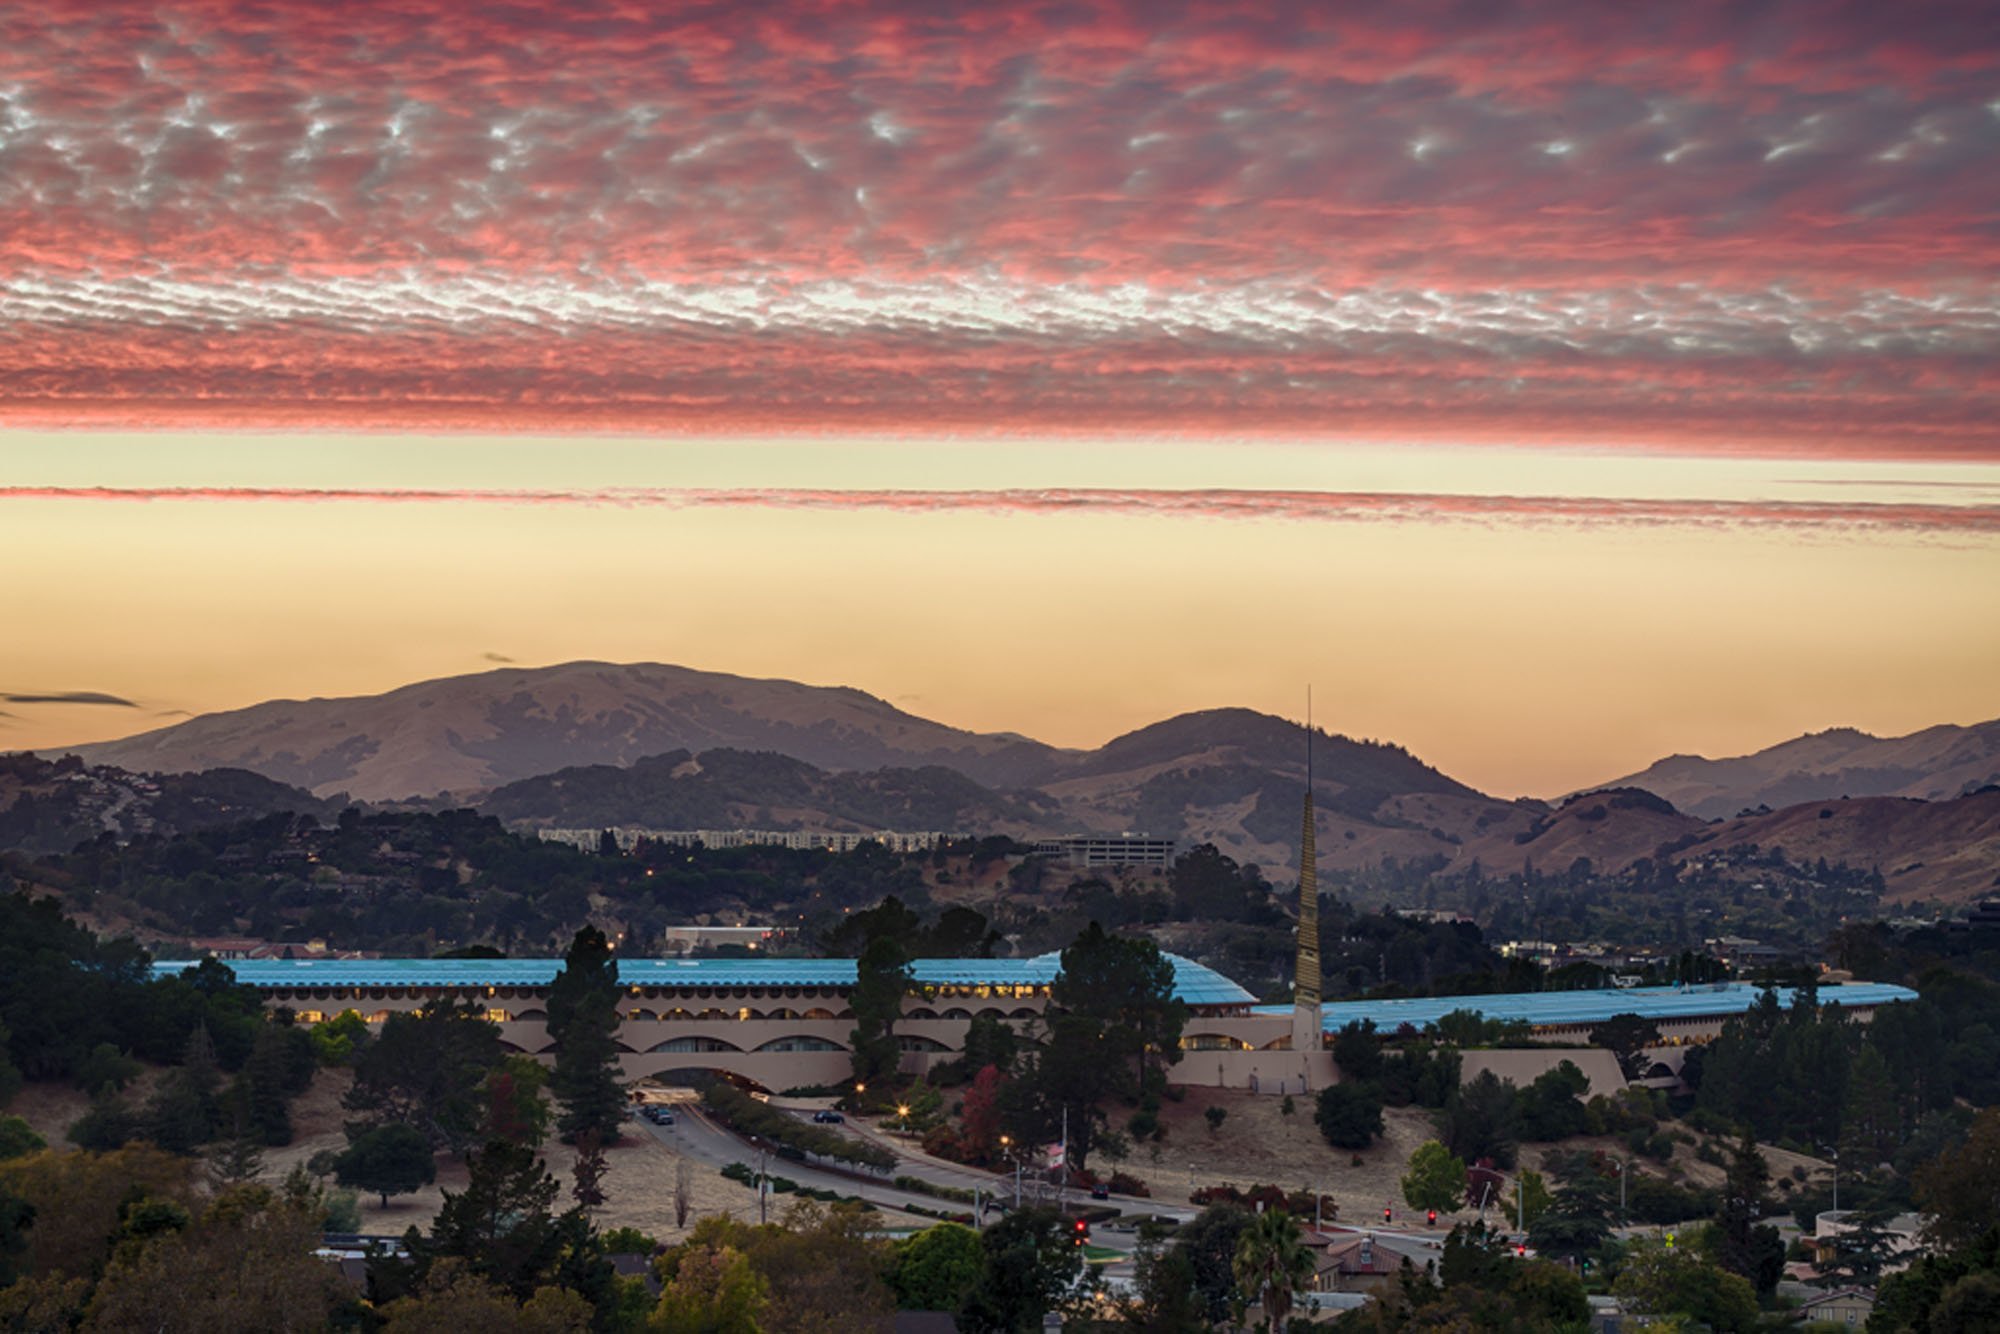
1532	1198
1436	1179
587	1172
1743	1245
16	1217
824	1267
1214	1116
1349	1115
183	1112
452	1298
683	1191
1478	1120
1032	1268
246	1264
1167	1300
583	1022
335	1041
1861	1248
979	1114
1273	1264
107	1069
881	980
1626	1036
18	1138
1126	985
238	1161
990	1042
387	1160
1666	1280
1357	1050
1209	1245
936	1269
426	1069
1959	1193
82	1201
710	1290
515	1110
1113	1022
1551	1108
1969	1306
501	1224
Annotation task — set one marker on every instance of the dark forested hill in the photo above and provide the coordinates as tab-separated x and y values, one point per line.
726	789
52	805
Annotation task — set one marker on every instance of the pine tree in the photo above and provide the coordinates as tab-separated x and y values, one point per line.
583	1019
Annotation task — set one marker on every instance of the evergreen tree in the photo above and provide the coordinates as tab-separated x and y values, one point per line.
182	1115
502	1224
881	979
386	1160
583	1021
1744	1246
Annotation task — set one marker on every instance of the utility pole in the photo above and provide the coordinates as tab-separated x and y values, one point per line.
1062	1181
763	1187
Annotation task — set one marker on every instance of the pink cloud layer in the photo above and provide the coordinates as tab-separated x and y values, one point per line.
1774	227
1203	503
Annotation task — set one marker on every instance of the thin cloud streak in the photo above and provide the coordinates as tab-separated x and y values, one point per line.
69	697
1206	503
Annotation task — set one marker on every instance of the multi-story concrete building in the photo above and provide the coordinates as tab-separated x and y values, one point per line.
1086	850
787	1023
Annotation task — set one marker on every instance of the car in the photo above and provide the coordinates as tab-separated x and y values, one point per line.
827	1116
1100	1191
665	1118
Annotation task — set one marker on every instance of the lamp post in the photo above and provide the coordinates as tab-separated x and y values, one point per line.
1007	1146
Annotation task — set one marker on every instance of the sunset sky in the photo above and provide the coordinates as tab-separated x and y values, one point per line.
1553	386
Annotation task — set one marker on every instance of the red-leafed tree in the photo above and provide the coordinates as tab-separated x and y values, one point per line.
980	1114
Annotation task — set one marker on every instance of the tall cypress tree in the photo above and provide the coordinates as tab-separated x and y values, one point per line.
583	1019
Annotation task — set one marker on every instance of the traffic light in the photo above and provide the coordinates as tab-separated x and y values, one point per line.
1080	1232
1385	1213
1670	1241
1520	1251
1431	1217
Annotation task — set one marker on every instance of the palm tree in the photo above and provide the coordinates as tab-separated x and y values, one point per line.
1272	1264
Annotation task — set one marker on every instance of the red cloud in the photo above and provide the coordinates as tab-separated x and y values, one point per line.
1207	503
260	176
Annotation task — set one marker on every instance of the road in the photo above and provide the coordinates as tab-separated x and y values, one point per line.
697	1136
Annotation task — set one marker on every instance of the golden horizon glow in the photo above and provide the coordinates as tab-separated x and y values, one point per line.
1525	657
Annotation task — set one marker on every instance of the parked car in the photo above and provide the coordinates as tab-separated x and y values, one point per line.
1100	1191
827	1116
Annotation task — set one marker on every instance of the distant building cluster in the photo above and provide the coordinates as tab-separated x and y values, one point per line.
1083	850
239	948
628	837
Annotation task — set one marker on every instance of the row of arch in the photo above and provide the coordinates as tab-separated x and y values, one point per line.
716	1014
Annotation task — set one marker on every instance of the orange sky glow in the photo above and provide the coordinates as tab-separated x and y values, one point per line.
1552	387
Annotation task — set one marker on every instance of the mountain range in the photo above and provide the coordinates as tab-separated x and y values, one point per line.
593	744
1931	765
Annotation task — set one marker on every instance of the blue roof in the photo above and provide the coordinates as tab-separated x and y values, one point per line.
1589	1007
1193	983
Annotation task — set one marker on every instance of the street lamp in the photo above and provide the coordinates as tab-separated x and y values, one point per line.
1007	1147
903	1114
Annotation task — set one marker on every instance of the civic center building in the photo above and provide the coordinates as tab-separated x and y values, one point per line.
786	1023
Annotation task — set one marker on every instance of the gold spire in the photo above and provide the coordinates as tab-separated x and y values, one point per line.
1305	990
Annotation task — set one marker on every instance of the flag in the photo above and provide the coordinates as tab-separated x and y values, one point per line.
1056	1153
